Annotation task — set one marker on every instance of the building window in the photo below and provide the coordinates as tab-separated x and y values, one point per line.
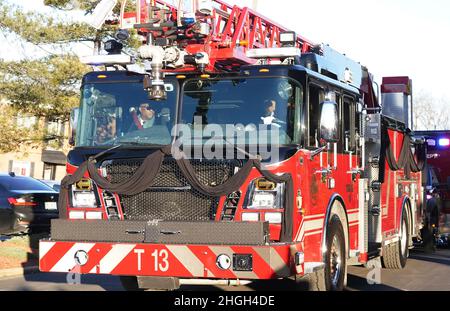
49	171
21	168
26	122
55	134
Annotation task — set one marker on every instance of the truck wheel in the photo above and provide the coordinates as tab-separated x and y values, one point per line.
332	276
396	254
130	283
335	256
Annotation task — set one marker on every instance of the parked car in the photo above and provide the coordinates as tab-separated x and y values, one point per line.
56	185
26	204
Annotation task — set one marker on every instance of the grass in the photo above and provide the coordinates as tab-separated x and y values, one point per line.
19	251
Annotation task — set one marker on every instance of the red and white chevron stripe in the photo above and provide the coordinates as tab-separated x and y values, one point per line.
187	261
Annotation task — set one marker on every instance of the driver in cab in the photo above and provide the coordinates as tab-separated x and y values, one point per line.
144	119
269	117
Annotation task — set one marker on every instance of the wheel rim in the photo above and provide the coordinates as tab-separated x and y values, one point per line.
335	261
404	237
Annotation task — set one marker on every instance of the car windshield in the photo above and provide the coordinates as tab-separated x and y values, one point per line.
254	110
23	183
121	113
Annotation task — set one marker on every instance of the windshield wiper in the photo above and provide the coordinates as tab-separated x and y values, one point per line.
98	155
136	143
250	155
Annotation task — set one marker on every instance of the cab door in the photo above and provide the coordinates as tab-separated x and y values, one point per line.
351	162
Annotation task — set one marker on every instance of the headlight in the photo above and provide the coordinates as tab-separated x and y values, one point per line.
263	199
84	199
83	195
264	194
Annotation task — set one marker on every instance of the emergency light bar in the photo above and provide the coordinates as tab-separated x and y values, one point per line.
283	52
114	59
444	142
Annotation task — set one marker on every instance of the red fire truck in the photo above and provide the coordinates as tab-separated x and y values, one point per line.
310	173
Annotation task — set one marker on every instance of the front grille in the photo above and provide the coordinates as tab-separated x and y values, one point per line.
171	197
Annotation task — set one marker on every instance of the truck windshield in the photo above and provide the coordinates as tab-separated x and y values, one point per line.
121	113
254	110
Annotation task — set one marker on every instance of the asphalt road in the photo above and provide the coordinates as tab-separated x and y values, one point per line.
423	272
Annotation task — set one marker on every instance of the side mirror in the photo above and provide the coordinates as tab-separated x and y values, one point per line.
329	122
73	125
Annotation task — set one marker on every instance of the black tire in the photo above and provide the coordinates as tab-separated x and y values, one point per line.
332	277
335	257
130	283
396	254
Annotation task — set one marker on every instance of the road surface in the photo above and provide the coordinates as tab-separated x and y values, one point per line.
423	272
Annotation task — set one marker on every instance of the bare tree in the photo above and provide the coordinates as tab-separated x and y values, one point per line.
431	113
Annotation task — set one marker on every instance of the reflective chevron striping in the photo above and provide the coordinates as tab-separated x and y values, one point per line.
67	262
114	257
44	248
187	258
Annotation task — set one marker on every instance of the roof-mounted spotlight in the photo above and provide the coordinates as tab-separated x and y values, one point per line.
122	34
288	38
113	47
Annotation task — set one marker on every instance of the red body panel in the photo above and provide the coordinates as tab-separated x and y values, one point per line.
315	192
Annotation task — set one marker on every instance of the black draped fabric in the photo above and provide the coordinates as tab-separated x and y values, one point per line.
406	160
144	176
141	180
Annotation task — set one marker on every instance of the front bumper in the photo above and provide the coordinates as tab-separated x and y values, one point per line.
182	261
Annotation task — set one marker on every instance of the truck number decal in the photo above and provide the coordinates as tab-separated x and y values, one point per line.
161	260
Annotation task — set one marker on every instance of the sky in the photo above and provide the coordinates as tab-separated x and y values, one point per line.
390	37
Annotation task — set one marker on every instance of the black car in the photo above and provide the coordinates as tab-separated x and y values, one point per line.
26	204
